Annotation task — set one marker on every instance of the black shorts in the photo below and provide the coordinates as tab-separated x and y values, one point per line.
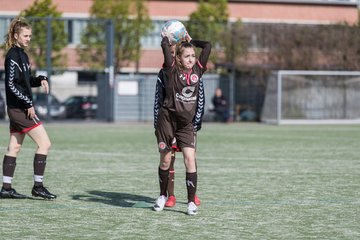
168	128
19	121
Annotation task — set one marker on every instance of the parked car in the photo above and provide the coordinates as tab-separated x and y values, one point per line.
57	110
81	107
2	107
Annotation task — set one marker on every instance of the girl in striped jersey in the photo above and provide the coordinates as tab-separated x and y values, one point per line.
21	112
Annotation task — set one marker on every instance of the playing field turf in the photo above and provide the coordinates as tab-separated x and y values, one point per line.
255	181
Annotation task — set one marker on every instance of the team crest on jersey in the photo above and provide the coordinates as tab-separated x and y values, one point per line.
162	145
194	78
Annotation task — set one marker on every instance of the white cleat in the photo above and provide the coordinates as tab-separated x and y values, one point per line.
192	208
159	203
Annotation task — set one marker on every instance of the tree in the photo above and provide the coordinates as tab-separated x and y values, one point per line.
131	21
234	42
295	47
208	22
37	14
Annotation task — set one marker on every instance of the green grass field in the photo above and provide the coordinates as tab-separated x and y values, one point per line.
255	182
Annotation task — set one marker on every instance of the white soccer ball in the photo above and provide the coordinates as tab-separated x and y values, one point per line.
174	30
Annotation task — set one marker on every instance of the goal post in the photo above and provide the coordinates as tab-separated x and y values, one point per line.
312	97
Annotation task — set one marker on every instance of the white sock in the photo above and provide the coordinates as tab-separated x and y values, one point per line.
7	179
38	178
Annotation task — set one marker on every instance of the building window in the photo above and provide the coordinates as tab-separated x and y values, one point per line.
75	28
153	39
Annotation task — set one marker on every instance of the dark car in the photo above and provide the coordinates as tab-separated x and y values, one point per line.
57	110
2	107
81	107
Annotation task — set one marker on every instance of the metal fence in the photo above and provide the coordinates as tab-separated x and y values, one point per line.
131	97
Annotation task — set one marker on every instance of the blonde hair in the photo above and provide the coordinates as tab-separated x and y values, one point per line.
15	27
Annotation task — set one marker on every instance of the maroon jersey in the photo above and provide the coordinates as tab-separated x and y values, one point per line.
182	89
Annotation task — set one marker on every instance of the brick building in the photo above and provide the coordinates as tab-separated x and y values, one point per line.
78	81
251	11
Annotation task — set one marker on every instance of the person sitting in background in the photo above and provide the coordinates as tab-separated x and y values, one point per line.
244	112
220	104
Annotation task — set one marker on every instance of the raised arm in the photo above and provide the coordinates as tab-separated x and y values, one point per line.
206	50
166	47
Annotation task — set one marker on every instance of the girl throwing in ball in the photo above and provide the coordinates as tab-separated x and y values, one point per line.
159	99
182	76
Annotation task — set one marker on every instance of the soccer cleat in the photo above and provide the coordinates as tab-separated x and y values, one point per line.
197	200
11	193
41	191
192	209
159	203
171	201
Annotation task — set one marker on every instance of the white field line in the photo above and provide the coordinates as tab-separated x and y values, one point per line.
296	202
245	157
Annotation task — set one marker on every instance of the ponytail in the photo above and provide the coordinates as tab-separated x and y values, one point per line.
15	27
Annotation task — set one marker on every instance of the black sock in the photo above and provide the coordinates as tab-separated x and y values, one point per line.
163	180
191	184
9	164
39	169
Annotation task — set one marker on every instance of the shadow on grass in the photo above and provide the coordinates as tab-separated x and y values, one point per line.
116	199
124	200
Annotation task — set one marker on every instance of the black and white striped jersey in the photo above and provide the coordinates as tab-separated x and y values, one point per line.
18	79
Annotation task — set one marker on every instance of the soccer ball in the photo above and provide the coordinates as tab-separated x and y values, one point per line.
174	30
